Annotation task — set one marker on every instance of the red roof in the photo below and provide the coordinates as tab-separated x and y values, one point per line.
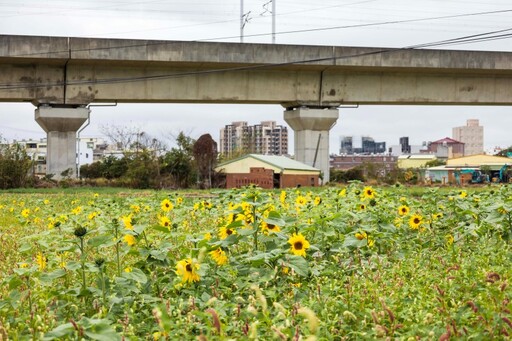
447	140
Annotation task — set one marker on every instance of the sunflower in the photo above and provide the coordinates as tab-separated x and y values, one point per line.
166	205
25	212
342	193
362	207
41	261
129	239
186	268
370	242
225	232
463	194
219	256
299	244
165	222
77	210
361	235
282	197
403	210
369	192
415	221
267	228
127	220
92	215
317	201
437	216
301	200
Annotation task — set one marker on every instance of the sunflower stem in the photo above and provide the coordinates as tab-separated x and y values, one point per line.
118	257
255	227
82	261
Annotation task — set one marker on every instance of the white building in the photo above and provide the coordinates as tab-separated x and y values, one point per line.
472	135
36	150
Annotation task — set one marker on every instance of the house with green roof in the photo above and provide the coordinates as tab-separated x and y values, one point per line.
268	171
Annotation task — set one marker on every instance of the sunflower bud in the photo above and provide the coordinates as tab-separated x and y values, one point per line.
99	262
80	231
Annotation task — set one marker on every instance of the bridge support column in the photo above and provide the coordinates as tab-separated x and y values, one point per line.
61	125
311	130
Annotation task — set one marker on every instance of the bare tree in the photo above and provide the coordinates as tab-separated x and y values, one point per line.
132	138
122	136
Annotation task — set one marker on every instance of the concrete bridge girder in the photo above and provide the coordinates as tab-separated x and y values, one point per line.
289	88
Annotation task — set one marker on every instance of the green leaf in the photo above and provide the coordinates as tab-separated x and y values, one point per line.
136	275
351	241
98	329
245	232
104	335
298	264
235	224
275	219
101	241
139	228
59	332
72	266
48	278
25	247
161	228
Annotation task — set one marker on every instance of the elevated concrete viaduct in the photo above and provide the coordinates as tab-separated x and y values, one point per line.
58	74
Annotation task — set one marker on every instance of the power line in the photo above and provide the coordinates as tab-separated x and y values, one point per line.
393	22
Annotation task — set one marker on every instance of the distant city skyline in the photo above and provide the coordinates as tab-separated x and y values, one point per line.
364	121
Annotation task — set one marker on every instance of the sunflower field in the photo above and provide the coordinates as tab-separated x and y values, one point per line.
339	263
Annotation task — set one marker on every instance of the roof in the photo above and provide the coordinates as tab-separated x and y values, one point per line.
281	162
479	160
418	157
447	140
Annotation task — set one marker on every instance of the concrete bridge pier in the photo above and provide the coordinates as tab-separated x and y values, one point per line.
61	125
311	128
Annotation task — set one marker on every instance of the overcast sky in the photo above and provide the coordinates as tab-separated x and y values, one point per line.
320	22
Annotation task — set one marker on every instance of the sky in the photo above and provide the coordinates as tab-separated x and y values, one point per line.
372	23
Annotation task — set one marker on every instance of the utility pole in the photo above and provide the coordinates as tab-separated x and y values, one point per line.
273	21
241	21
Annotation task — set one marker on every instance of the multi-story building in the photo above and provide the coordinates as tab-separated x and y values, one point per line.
36	150
266	138
364	145
446	148
472	135
89	149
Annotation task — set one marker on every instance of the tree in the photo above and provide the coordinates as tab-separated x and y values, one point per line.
505	152
205	155
178	162
435	163
123	137
15	165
